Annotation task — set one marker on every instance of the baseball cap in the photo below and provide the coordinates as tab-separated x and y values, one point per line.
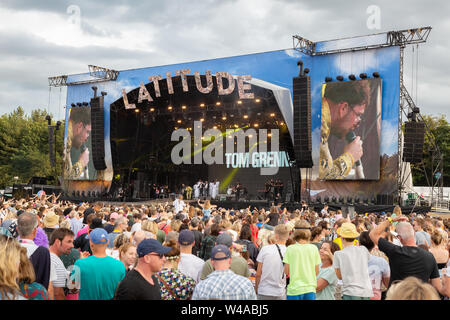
98	236
224	239
151	245
114	216
186	237
220	252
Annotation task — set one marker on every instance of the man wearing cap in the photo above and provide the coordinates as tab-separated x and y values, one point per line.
352	266
120	226
141	282
238	264
99	274
189	264
82	241
223	284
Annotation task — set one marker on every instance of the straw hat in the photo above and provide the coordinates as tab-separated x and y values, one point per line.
347	230
51	219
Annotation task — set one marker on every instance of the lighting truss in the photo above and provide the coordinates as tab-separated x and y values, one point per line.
98	73
393	38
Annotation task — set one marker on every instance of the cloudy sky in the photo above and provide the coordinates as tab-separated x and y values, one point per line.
39	39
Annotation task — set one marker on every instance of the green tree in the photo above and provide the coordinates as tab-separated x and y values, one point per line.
439	134
24	149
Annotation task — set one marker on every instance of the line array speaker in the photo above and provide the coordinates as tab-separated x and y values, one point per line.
302	121
98	133
413	141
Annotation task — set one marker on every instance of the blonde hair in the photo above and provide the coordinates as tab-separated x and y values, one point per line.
65	224
207	205
237	225
175	225
302	230
397	210
120	240
150	226
412	288
9	272
26	270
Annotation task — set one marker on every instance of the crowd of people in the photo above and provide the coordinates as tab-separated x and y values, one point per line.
58	250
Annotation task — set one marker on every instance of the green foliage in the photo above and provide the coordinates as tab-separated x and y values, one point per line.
440	129
24	150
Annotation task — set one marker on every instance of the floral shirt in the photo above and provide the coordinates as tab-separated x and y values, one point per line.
34	291
181	285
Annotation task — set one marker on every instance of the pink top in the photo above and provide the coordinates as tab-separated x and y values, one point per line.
83	231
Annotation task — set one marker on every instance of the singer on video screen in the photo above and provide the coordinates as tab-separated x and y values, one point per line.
350	130
76	154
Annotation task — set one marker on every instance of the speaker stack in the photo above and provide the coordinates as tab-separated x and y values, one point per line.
302	120
98	130
413	142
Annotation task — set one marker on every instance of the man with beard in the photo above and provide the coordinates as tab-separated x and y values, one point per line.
78	133
343	106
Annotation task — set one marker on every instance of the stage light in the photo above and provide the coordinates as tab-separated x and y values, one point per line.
269	134
136	110
272	115
340	78
352	77
73	105
349	200
152	109
215	127
319	199
239	102
224	118
169	108
79	104
236	126
256	125
245	116
85	104
202	105
326	199
49	120
363	75
218	103
202	119
178	121
334	199
183	107
328	79
281	123
376	75
306	70
257	100
341	199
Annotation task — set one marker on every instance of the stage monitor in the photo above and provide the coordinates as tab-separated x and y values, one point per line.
350	130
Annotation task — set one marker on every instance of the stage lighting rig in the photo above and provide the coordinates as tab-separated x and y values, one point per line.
352	77
340	78
363	76
376	75
328	79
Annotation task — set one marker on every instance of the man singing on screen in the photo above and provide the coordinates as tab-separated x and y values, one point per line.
343	105
78	133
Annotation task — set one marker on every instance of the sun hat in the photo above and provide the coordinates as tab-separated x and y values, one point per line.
51	220
347	230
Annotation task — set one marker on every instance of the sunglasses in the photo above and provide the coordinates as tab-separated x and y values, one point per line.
160	255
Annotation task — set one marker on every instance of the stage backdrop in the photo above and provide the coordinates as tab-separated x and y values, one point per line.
379	134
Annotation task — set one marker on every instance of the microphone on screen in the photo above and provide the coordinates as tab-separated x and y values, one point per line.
358	166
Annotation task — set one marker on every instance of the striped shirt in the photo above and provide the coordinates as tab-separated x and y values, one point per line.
224	285
61	271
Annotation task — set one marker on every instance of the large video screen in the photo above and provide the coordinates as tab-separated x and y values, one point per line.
350	130
78	163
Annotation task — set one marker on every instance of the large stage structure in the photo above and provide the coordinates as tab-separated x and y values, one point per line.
128	131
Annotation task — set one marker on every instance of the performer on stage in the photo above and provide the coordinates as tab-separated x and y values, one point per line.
342	109
216	188
197	187
205	188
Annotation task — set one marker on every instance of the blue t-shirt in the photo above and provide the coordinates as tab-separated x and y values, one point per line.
99	277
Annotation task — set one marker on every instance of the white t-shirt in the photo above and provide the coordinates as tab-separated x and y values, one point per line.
179	205
60	270
378	269
191	266
136	227
353	262
273	280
